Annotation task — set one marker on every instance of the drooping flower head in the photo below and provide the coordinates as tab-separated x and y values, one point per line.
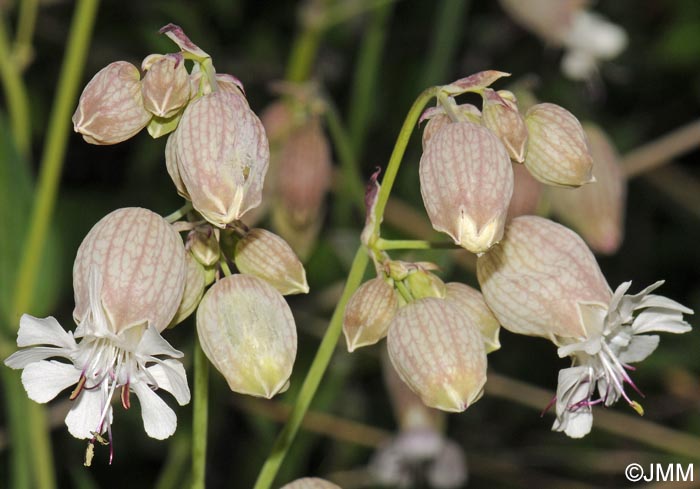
129	277
542	280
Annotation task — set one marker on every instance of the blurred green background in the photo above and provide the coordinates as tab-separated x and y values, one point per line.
650	90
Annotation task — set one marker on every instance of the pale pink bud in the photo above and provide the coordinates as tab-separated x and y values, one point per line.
302	179
437	118
247	331
500	114
596	211
172	166
473	83
269	257
111	107
141	263
166	86
471	302
230	83
222	156
278	120
438	352
538	279
557	152
526	193
310	483
369	313
178	36
195	282
466	183
203	243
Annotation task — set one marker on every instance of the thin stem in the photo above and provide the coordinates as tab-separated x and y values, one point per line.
449	22
413	244
42	211
313	377
662	150
350	173
171	218
25	31
306	44
54	153
225	268
403	290
199	417
16	404
398	152
365	79
15	94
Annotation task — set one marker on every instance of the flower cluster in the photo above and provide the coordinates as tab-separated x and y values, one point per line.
133	275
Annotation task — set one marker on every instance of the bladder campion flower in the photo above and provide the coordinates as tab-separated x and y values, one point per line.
542	280
128	277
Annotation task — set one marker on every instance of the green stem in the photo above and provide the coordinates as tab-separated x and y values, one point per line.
171	218
16	404
413	244
365	80
330	339
25	31
54	153
397	154
313	377
352	185
449	22
42	211
306	46
15	95
403	290
200	415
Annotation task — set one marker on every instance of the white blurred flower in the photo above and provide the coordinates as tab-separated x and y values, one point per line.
617	337
106	360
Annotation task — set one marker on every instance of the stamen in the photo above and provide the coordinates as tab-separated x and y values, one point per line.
126	403
78	388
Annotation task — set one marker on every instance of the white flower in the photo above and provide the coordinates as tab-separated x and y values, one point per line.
616	336
103	362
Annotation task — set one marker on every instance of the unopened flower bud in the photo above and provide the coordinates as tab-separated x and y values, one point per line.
247	331
422	284
596	211
141	262
302	179
278	120
172	166
472	302
165	87
526	193
203	243
369	313
501	115
195	282
539	279
269	257
557	152
310	483
222	156
438	352
111	107
437	118
466	183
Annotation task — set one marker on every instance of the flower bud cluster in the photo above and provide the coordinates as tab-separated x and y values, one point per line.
466	170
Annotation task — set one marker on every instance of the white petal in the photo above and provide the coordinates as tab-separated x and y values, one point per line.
84	417
159	420
22	358
43	331
639	348
170	376
575	424
591	347
45	379
661	320
619	293
152	344
664	302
